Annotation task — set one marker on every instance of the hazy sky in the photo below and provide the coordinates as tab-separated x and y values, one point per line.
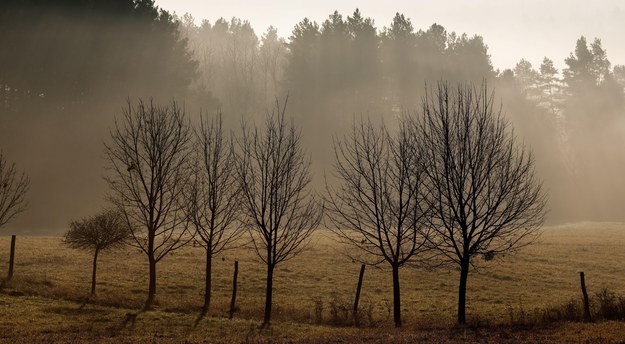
513	29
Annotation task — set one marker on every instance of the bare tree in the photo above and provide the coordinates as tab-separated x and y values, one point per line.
213	199
486	199
105	231
148	163
13	189
278	208
378	206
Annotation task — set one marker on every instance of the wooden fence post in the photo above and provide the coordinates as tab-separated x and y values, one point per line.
357	299
12	258
587	316
234	289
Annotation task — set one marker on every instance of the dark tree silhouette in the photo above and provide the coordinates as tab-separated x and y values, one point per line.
213	201
69	51
379	204
148	164
13	189
485	197
278	208
105	231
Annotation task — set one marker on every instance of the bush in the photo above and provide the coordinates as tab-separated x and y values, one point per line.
610	306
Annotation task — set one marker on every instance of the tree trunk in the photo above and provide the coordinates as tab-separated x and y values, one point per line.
396	297
207	288
462	291
93	273
152	285
268	295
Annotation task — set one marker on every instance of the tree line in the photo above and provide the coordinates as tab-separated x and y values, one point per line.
79	58
348	64
448	185
62	54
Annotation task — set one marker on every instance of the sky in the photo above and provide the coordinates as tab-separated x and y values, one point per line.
530	29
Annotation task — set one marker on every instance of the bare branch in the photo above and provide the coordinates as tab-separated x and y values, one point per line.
213	197
378	206
148	164
13	189
278	209
485	197
104	231
272	170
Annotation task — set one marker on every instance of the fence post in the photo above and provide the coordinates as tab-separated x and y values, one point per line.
234	289
12	258
357	299
585	295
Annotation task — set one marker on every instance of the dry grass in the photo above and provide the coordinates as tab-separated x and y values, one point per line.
500	293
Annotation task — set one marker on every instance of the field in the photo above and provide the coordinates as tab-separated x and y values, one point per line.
507	297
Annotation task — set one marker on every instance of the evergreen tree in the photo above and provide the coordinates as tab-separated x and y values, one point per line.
526	77
549	86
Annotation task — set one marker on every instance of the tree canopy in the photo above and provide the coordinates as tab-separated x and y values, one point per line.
67	51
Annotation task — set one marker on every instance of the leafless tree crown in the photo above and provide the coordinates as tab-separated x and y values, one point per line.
273	171
105	230
212	200
13	189
148	157
378	205
486	198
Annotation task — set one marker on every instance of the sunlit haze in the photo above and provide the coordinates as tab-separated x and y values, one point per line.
226	171
557	69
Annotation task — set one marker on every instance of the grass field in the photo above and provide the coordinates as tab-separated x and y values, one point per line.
312	294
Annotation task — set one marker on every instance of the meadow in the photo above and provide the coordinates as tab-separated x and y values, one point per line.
509	297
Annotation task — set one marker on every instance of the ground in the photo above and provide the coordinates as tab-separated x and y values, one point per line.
510	299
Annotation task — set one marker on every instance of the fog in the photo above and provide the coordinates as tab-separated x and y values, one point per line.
530	29
72	65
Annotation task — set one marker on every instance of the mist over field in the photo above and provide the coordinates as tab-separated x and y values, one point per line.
67	69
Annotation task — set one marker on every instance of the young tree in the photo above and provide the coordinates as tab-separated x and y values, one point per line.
148	159
13	189
279	210
213	201
485	197
379	205
104	231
